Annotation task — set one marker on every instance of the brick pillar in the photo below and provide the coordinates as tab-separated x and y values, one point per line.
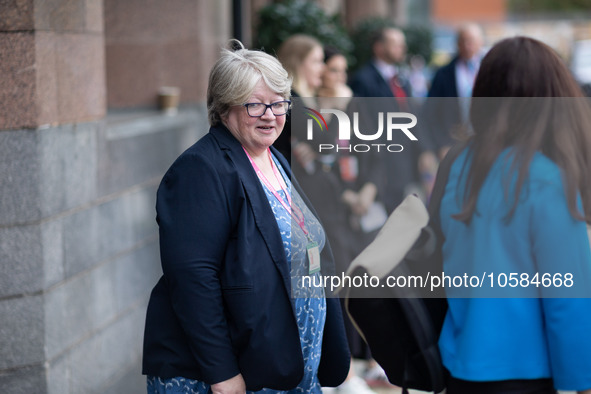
155	44
52	63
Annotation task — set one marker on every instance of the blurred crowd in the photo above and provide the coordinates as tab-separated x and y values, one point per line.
354	192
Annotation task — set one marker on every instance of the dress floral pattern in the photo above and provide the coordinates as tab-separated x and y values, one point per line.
309	303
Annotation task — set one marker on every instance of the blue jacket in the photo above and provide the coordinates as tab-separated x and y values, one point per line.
223	305
490	339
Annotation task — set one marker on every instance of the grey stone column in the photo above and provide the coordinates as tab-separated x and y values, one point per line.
79	249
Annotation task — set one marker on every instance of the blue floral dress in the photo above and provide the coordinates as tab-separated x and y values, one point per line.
310	304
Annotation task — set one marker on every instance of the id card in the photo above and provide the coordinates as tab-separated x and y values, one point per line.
313	257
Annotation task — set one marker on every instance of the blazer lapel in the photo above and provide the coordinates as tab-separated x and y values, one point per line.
263	215
453	83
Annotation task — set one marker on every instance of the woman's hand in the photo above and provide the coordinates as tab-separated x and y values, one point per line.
360	202
584	391
233	385
351	198
367	196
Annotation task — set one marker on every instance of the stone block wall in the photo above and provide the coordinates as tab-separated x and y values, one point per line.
79	248
78	238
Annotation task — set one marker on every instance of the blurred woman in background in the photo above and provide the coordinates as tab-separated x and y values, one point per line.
303	58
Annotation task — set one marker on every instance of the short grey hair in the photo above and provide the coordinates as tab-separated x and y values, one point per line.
235	75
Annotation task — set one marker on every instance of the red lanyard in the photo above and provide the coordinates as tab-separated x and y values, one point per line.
295	213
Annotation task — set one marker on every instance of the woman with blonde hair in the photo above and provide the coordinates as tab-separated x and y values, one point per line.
303	58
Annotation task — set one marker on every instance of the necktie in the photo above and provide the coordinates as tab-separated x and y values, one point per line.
396	87
398	91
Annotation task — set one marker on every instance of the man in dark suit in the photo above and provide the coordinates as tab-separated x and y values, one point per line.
454	80
380	177
381	77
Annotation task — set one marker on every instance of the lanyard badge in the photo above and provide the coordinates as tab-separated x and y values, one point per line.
313	257
313	250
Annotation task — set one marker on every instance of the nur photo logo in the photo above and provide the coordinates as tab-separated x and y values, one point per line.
394	125
317	116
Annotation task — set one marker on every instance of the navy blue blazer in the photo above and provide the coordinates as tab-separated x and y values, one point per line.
368	82
223	305
398	169
444	82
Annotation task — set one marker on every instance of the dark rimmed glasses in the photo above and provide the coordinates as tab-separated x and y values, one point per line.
256	110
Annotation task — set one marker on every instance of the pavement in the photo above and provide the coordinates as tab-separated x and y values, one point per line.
395	390
360	366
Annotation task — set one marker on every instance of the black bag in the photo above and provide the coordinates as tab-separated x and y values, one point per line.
402	328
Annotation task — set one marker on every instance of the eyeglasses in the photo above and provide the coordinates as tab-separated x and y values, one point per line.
256	110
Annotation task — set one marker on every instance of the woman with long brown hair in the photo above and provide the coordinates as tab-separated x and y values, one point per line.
515	209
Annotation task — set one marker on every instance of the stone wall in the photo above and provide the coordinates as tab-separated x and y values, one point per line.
82	151
79	248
